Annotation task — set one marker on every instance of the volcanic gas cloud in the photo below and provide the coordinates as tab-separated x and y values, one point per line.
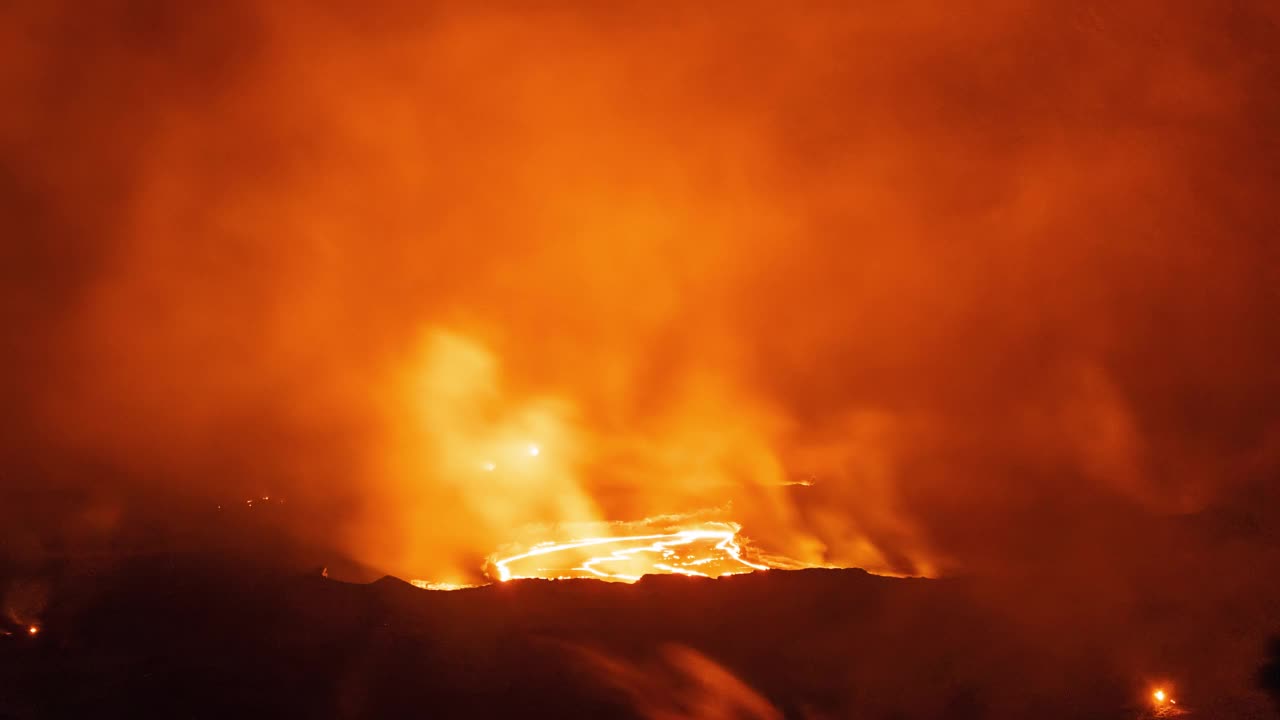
908	287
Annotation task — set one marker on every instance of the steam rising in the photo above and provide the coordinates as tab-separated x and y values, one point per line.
999	286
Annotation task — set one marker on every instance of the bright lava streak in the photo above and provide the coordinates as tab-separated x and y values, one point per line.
445	586
726	552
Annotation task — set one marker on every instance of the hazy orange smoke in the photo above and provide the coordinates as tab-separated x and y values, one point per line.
890	285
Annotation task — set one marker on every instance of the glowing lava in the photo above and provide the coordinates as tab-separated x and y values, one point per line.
700	552
442	586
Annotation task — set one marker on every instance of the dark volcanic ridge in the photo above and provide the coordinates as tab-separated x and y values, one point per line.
188	637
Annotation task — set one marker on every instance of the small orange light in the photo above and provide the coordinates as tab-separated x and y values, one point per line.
1158	695
33	630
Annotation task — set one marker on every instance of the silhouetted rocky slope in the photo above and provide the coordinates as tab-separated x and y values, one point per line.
199	636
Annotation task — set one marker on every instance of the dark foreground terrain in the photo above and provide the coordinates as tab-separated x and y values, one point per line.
198	636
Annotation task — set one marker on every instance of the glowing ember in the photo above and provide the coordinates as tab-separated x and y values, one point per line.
446	586
1158	695
33	630
700	553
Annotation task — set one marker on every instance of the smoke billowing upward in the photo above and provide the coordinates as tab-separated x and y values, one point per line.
911	287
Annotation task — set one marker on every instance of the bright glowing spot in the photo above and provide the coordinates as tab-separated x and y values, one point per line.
445	586
1158	695
625	558
533	450
33	630
490	467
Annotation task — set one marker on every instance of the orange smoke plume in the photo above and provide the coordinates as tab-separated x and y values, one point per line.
897	287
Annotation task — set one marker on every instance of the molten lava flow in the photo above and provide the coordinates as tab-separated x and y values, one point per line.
442	586
697	552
